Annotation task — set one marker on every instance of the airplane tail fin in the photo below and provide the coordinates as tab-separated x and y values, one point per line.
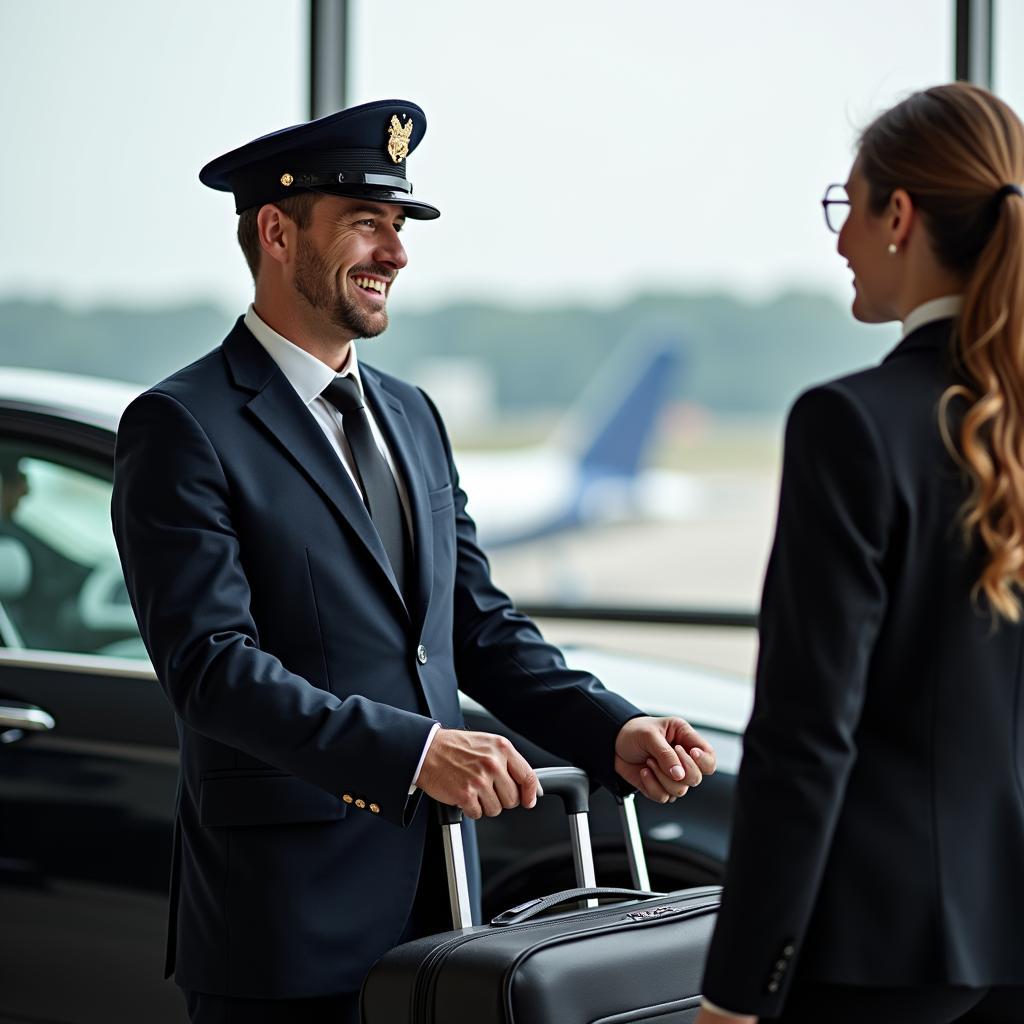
632	391
592	468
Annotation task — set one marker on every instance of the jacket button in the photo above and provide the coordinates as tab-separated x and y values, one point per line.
421	654
773	986
347	798
788	950
360	804
374	809
781	965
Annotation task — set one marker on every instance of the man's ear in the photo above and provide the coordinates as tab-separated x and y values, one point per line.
277	233
901	214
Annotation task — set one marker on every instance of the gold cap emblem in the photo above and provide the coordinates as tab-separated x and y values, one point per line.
398	139
286	179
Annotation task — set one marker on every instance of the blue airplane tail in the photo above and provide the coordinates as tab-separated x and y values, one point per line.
606	439
619	441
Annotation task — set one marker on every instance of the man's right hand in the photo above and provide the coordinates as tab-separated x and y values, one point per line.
477	771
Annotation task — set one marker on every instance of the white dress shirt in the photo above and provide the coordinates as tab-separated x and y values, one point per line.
309	376
935	309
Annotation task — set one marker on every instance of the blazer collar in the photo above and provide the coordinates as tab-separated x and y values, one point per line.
934	335
248	362
279	409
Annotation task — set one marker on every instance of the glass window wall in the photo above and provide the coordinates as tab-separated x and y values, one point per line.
630	207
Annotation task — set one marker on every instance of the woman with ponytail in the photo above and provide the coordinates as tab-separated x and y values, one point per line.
877	864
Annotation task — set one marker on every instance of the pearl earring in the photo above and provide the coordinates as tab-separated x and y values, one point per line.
892	249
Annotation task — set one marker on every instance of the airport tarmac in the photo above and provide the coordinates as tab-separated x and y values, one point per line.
712	559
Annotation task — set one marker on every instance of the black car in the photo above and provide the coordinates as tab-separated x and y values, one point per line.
88	756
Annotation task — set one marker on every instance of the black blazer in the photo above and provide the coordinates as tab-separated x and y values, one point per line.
304	687
879	826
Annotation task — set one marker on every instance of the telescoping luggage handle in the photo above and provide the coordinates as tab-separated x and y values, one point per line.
572	786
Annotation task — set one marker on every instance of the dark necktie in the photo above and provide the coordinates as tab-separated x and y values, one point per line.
380	492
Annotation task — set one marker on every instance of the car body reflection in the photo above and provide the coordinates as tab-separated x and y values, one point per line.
88	746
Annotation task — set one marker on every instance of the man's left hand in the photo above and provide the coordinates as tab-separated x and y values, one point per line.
662	757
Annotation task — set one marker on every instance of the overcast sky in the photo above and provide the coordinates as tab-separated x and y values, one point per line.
580	150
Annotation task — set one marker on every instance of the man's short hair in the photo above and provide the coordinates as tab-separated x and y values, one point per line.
298	207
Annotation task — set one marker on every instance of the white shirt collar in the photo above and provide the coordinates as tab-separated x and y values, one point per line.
935	309
307	374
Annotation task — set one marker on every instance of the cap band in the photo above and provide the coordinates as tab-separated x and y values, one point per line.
389	181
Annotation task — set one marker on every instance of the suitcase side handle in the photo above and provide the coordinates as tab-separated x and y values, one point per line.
530	909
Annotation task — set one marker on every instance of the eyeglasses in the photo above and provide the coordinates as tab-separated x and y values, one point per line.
836	205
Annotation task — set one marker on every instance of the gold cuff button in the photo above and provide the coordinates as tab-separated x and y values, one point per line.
347	798
374	809
360	804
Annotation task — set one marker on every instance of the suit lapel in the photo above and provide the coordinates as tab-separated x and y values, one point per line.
280	410
394	425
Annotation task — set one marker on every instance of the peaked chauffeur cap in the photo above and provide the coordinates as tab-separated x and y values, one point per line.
361	152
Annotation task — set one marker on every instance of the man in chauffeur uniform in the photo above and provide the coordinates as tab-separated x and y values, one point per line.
308	584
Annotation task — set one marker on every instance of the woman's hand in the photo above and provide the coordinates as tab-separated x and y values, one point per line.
708	1016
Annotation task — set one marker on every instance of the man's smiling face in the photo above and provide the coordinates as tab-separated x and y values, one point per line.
347	261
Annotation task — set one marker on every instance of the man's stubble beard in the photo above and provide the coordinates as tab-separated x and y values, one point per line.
314	281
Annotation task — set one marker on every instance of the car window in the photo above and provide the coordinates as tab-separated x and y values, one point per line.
61	587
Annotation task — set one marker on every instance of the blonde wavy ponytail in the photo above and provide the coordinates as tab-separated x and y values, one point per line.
959	152
990	355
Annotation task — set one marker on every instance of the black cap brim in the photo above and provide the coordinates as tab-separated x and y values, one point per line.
415	209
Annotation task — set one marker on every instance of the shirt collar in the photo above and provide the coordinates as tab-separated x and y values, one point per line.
935	309
307	374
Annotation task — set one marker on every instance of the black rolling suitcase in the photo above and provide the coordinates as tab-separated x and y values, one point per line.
638	959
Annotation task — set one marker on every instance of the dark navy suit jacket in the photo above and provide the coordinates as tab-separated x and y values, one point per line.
276	628
879	820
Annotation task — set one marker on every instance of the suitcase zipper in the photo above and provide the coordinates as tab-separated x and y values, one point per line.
556	940
427	975
430	969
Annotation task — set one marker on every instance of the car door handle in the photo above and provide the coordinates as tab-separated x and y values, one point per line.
27	719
